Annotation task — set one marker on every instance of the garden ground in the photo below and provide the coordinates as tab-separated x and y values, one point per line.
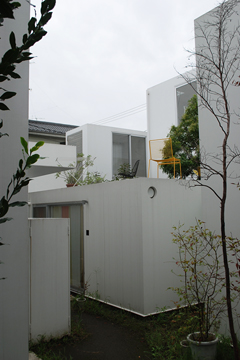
101	332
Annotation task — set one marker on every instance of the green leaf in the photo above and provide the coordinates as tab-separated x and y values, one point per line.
18	203
3	107
3	206
24	144
39	35
20	163
24	39
7	95
44	7
31	24
44	20
32	160
16	4
12	40
10	56
3	134
6	10
47	5
36	146
4	220
3	78
15	75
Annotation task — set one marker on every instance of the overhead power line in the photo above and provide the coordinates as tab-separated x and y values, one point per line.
122	115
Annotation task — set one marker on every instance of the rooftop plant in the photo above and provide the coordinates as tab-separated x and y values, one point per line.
80	173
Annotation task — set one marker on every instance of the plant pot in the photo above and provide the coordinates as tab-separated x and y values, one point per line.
71	185
203	350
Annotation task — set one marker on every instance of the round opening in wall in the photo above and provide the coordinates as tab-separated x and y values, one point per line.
152	192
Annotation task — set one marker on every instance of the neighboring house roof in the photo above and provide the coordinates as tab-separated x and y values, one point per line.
35	126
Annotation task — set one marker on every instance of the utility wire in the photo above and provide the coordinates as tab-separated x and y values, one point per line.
121	115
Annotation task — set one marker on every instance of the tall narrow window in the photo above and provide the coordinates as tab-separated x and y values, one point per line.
76	139
138	152
128	149
184	94
120	151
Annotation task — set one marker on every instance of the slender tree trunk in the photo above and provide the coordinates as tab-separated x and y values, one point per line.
227	280
224	251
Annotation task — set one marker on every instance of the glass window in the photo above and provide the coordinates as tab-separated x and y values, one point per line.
120	151
184	94
128	149
75	213
138	152
40	212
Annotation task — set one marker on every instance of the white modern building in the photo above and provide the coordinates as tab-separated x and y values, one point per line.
120	234
110	147
120	231
166	104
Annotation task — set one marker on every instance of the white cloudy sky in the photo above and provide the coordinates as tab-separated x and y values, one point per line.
100	56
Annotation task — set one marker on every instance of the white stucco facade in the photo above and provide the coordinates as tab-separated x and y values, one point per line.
14	290
162	111
43	173
128	248
96	140
211	139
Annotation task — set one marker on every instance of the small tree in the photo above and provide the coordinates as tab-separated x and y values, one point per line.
185	143
201	262
217	64
80	174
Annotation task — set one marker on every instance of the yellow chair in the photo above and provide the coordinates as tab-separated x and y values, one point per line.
156	154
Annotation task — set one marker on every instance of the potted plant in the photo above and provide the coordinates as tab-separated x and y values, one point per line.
203	281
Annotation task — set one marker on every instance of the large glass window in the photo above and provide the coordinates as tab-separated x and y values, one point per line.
129	149
184	94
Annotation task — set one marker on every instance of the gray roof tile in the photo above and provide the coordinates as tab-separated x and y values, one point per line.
49	127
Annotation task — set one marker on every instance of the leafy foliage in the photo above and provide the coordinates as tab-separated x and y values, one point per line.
201	262
125	168
17	54
80	174
19	179
13	56
185	143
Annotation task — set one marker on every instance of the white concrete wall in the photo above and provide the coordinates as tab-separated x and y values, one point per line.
211	138
97	142
49	278
129	250
50	153
162	113
14	291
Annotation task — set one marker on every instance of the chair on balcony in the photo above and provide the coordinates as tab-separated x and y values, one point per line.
156	154
130	174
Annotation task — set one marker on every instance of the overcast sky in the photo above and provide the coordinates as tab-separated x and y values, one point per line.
100	56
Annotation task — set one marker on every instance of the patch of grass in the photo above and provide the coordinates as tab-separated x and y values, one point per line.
224	349
53	349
